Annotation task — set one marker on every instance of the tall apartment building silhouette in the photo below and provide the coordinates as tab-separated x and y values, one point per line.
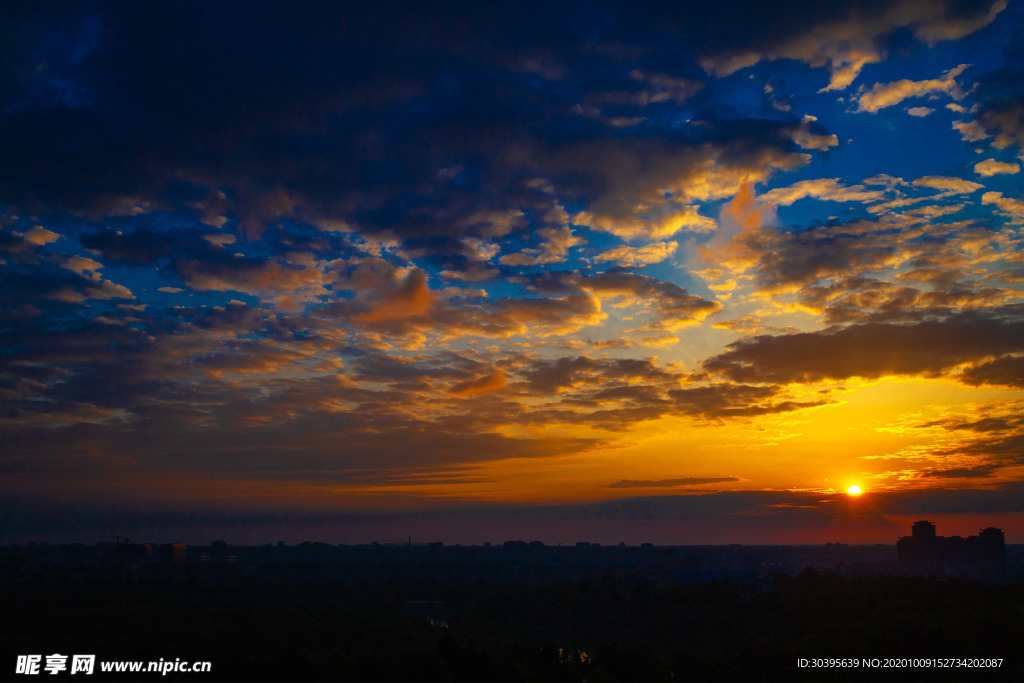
925	553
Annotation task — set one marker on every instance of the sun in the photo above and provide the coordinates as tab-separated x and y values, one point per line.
854	490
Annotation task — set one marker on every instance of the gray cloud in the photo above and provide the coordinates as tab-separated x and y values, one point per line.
669	483
871	350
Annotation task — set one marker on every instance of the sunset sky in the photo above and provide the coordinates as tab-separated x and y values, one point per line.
678	273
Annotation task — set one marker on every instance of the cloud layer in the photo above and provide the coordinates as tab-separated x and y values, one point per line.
364	258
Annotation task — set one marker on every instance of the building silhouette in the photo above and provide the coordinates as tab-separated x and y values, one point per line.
923	552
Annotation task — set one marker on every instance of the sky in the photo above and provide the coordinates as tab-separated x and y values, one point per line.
637	272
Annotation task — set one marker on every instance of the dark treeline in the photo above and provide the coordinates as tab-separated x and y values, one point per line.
587	630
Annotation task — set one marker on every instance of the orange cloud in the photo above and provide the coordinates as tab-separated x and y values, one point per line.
412	300
251	360
744	213
884	95
39	236
744	210
480	385
991	167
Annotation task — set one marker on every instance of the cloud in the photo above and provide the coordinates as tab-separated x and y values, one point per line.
810	136
991	167
614	394
552	376
982	425
889	181
635	257
852	37
672	305
466	148
1014	208
979	444
265	393
669	223
67	287
1007	371
1002	119
867	300
999	108
411	300
920	111
746	325
826	189
948	184
784	260
555	245
410	317
872	350
883	95
952	28
727	400
980	471
670	483
288	276
480	385
650	192
144	247
970	131
80	264
665	87
287	286
39	236
248	359
327	233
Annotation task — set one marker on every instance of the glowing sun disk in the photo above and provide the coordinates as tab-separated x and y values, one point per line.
854	490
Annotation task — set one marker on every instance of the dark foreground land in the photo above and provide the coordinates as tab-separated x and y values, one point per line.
591	630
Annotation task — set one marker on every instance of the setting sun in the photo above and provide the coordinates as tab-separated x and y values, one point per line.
854	490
